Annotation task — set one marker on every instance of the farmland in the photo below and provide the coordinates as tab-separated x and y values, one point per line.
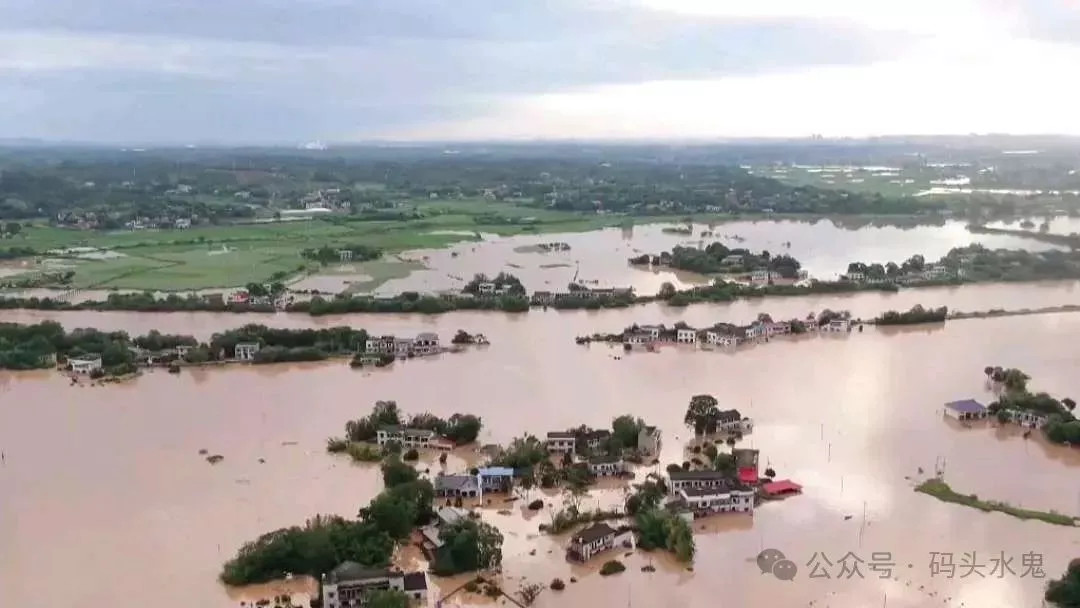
208	257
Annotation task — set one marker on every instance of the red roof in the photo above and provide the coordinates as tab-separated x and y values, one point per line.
784	486
748	475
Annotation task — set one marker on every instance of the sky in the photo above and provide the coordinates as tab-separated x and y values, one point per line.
292	71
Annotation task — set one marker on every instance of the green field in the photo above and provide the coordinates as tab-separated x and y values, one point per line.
232	255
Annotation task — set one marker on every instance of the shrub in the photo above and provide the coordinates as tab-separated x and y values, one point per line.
536	505
558	585
612	566
362	452
336	445
472	587
673	468
411	454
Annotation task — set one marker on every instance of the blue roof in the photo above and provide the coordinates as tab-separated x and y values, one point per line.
966	406
496	472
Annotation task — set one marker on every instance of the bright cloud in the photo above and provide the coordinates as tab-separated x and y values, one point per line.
290	70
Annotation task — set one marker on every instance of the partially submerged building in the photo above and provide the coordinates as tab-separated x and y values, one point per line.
349	583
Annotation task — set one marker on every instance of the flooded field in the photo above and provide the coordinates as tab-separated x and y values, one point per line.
824	249
107	486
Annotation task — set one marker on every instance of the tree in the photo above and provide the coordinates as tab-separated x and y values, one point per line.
702	414
1068	403
12	228
386	598
1065	591
469	545
667	291
770	473
988	370
395	472
680	540
724	463
463	428
529	593
625	430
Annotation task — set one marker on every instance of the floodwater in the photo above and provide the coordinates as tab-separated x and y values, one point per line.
1058	225
106	485
824	248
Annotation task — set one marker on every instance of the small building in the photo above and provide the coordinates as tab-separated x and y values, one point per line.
407	438
728	498
495	479
595	539
966	409
720	339
560	442
245	351
430	534
732	260
755	331
456	486
686	336
653	331
345	255
855	277
183	350
640	338
811	322
426	343
403	346
486	289
648	442
606	466
85	365
596	438
779	329
839	325
731	421
346	585
1027	418
759	277
746	465
780	489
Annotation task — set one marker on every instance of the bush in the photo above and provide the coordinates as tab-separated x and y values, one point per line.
610	567
673	468
472	587
411	454
336	445
536	505
558	585
362	452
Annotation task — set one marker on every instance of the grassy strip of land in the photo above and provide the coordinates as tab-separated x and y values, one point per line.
940	490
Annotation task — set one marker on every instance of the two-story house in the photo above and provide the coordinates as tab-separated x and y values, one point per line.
560	442
686	336
596	539
648	442
606	466
349	583
407	438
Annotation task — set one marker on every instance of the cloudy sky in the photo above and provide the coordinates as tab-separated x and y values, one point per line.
254	71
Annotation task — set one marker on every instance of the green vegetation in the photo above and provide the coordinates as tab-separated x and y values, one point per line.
1061	425
1065	591
703	414
35	346
916	315
329	255
660	529
939	489
326	541
395	472
462	429
612	566
716	258
469	545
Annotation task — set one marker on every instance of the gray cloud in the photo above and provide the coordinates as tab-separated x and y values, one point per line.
273	70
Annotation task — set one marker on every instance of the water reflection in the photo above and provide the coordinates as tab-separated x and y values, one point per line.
107	483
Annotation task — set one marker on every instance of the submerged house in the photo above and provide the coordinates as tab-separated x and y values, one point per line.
966	409
349	583
596	539
457	486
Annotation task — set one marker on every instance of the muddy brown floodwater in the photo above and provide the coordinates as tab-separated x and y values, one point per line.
105	500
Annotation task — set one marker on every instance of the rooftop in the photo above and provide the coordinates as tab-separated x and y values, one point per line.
698	476
560	435
427	335
730	416
593	533
604	459
966	406
726	488
407	431
784	486
415	581
496	472
352	571
456	482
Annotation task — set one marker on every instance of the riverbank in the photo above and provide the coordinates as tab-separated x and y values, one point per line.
942	491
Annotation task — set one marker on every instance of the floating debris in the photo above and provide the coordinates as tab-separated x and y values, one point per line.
216	458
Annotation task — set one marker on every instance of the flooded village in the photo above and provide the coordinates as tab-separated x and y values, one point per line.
848	428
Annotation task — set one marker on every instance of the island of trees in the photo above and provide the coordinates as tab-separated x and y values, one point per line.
1014	400
716	258
1064	592
915	316
460	429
